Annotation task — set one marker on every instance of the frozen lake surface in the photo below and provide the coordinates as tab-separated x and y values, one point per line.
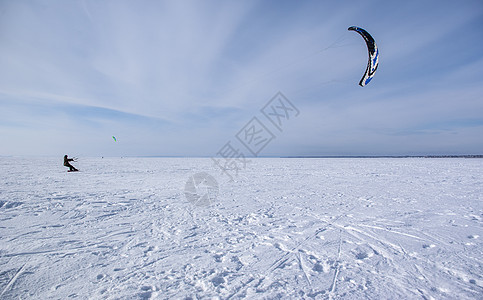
404	228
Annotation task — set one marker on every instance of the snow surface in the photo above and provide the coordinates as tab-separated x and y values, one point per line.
285	228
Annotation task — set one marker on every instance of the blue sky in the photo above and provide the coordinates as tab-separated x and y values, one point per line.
181	78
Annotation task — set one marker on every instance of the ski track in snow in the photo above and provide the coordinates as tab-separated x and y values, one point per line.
285	228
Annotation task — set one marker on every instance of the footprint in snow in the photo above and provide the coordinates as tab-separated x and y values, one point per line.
237	261
150	249
147	292
218	280
318	267
363	252
218	257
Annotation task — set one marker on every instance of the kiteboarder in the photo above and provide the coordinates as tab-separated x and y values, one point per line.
67	164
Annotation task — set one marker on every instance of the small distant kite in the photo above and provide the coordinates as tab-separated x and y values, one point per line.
373	55
114	138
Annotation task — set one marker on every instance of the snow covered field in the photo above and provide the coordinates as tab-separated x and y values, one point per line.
286	228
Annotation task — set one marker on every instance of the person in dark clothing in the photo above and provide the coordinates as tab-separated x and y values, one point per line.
67	163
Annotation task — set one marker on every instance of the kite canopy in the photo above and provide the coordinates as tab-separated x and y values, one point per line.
373	55
114	138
